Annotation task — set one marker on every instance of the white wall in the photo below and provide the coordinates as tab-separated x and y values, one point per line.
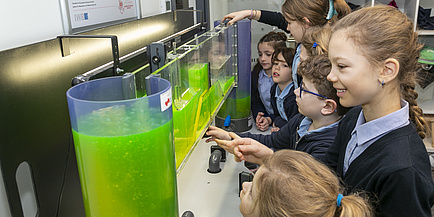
26	22
219	8
152	7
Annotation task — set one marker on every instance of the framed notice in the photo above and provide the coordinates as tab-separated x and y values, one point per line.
89	14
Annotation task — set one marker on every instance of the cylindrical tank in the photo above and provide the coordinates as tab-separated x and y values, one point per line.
237	105
124	148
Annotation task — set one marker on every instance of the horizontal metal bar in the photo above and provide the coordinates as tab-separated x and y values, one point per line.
136	52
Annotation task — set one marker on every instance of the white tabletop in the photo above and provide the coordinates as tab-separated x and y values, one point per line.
206	194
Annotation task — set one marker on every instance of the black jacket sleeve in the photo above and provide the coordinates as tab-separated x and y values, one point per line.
273	102
255	100
290	106
282	139
274	19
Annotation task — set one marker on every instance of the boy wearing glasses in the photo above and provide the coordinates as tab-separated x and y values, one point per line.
313	130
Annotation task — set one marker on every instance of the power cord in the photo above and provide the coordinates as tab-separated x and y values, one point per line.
68	154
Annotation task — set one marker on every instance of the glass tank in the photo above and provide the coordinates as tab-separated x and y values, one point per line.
202	72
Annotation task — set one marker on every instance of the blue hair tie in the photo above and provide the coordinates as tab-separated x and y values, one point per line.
332	10
338	200
314	45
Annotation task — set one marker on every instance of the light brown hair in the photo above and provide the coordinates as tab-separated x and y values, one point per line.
318	35
314	10
315	69
294	183
382	32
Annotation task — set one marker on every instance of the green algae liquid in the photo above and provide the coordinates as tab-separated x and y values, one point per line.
236	108
184	126
198	76
131	175
194	107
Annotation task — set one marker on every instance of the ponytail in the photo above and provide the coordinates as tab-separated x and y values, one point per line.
341	8
353	205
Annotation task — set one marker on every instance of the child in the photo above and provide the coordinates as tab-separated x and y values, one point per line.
297	17
282	92
378	147
311	131
262	80
293	183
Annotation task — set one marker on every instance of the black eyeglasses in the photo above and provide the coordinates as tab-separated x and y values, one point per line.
301	90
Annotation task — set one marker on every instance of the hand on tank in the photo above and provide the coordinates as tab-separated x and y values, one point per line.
236	16
217	133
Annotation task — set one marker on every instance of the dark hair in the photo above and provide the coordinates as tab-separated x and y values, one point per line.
315	69
276	40
287	53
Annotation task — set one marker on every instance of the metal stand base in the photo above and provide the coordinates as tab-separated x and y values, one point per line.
237	125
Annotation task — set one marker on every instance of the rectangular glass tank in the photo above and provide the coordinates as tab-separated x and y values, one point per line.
202	73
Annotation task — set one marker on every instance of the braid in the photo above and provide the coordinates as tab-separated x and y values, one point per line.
410	95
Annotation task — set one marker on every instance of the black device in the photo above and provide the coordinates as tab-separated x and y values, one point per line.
244	177
251	166
187	213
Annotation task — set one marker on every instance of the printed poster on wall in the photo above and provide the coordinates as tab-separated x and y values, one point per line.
93	12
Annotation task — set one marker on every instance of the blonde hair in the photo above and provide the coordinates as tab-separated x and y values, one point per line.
314	10
319	36
293	183
382	32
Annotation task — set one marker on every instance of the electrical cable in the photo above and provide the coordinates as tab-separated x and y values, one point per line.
68	154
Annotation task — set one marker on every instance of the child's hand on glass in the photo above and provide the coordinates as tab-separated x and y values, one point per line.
217	133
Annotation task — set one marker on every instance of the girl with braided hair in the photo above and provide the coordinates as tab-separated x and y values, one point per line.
379	147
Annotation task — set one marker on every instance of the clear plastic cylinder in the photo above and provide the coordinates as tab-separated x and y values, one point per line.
237	105
124	148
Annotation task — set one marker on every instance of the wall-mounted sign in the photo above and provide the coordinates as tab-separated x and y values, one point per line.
84	13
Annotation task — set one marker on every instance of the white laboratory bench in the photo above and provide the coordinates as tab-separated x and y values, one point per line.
206	194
